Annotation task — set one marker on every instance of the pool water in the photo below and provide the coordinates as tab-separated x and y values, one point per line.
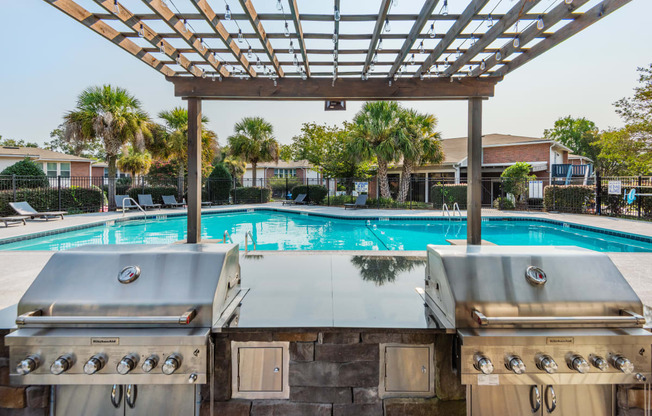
289	231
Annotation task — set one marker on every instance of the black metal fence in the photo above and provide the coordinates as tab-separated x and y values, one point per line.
613	196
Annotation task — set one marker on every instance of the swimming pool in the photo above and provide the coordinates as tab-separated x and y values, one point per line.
278	230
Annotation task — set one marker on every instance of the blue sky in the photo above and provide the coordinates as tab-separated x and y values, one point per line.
48	58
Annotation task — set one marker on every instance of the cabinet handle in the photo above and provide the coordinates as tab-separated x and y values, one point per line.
132	394
116	395
552	404
535	398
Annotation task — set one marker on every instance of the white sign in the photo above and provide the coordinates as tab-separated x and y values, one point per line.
488	380
615	187
535	189
362	187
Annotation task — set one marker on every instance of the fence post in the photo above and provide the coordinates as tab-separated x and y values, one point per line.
410	190
13	185
59	190
328	190
286	189
234	189
598	193
638	200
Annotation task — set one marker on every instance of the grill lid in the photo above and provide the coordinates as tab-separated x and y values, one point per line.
505	286
133	285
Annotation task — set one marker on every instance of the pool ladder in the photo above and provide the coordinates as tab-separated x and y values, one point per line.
227	235
131	206
456	210
253	241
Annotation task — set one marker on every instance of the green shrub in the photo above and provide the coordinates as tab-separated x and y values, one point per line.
503	203
390	203
278	186
156	191
315	193
219	185
341	199
37	178
441	194
250	195
72	199
568	198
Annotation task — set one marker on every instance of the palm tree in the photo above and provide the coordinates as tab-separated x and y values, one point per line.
110	115
418	143
253	141
135	162
375	131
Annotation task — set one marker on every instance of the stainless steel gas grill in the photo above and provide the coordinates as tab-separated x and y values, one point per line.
124	329
541	330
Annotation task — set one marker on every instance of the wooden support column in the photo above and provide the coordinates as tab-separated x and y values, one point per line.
474	174
194	170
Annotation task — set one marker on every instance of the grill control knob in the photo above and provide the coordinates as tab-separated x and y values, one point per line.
150	363
172	364
95	364
127	364
622	364
62	364
515	364
579	364
483	364
546	363
28	365
599	362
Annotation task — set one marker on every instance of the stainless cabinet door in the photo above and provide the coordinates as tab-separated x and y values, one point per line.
505	400
160	399
88	400
578	400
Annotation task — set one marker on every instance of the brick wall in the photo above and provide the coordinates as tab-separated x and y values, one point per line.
80	169
509	154
336	373
19	400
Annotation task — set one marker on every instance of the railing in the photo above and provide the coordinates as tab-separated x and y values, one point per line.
253	241
226	234
456	209
445	211
131	206
563	170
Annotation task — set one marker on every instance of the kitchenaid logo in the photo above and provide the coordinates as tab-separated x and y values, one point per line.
560	340
105	341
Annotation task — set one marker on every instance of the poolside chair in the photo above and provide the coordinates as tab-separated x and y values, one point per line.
23	208
171	201
145	201
14	219
128	204
360	202
299	200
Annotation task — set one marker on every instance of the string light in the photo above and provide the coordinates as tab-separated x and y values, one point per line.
390	82
334	37
516	42
421	76
540	24
250	52
287	30
258	64
444	9
227	14
240	37
203	73
375	60
116	8
291	47
490	21
431	32
483	65
279	5
499	56
296	60
387	26
161	47
336	14
303	75
412	60
421	48
380	44
178	59
568	1
185	25
141	31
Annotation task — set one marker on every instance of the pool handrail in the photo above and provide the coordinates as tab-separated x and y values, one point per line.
445	211
253	241
456	208
136	203
226	234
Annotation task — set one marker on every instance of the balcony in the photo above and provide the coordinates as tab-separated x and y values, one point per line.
568	171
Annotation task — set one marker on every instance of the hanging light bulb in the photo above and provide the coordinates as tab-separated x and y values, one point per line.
203	73
380	44
412	60
178	59
483	65
141	31
296	60
291	47
372	66
394	3
516	42
227	14
390	83
336	14
458	52
540	24
375	60
287	30
116	8
421	76
213	77
490	21
387	26
444	9
499	56
303	75
568	1
421	48
258	64
473	39
335	54
240	37
334	37
279	5
161	47
250	52
431	32
275	83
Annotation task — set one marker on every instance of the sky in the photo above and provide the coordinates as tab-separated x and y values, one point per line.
48	59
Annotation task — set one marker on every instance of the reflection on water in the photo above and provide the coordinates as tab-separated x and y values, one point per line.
382	269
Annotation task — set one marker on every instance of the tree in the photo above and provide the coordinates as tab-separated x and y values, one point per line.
16	143
637	110
219	184
418	143
112	116
254	142
622	154
516	178
235	166
285	152
375	132
82	148
578	134
33	173
135	162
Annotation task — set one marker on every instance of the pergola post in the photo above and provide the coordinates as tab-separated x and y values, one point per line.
194	170
474	173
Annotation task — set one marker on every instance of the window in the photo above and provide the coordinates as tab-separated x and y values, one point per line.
64	170
285	173
51	170
106	172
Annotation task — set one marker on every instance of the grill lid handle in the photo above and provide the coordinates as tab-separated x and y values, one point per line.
36	318
628	318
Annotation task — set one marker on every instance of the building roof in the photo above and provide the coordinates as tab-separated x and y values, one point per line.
39	154
282	164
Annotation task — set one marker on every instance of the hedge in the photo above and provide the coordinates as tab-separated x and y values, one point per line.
278	186
315	193
28	175
448	194
155	191
568	198
250	195
72	199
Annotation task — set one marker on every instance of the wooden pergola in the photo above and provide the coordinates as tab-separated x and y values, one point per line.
227	50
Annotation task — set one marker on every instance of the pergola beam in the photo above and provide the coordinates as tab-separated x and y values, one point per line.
417	27
209	15
380	22
453	33
346	36
317	89
294	11
513	16
336	46
550	19
252	15
86	18
587	19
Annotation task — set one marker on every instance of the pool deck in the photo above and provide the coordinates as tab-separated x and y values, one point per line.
19	268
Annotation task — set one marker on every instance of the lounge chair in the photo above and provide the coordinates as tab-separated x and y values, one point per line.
299	200
360	202
145	201
23	208
171	201
14	219
128	204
